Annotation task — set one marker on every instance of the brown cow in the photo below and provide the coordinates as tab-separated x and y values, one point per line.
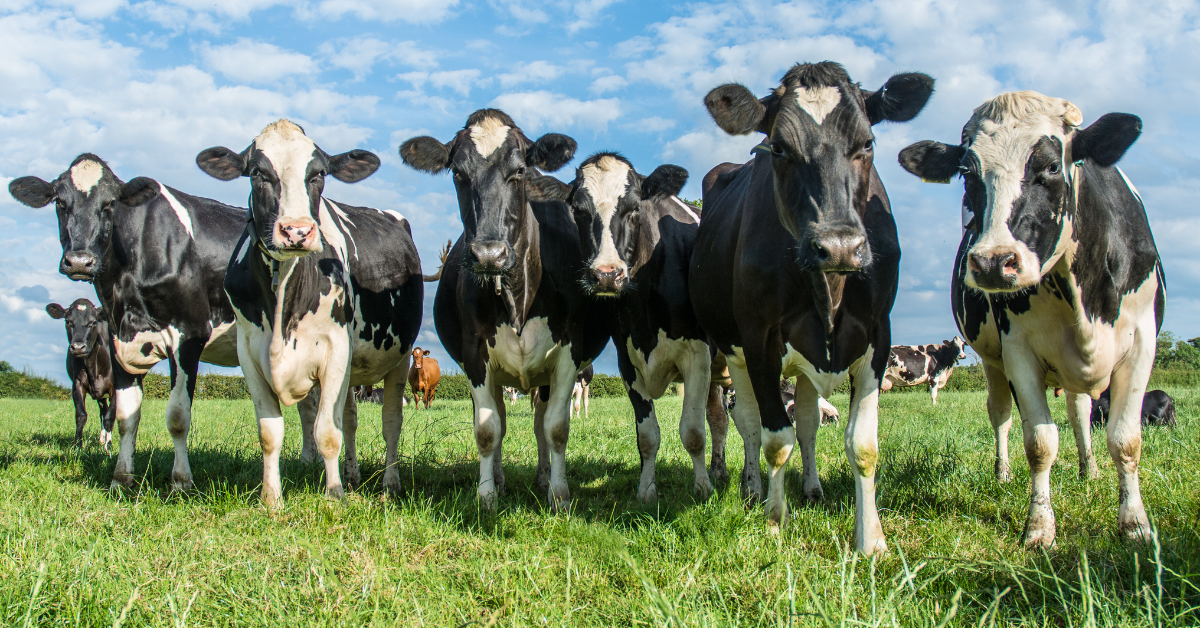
423	377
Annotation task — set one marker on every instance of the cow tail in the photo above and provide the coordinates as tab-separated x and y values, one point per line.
438	275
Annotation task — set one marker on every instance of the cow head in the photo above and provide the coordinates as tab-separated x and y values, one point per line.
607	197
958	345
418	356
821	150
287	173
84	322
1018	159
492	162
83	198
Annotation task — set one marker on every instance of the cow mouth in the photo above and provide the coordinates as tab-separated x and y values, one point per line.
78	354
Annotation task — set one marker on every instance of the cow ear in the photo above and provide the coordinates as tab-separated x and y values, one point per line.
932	161
139	191
901	98
221	163
56	311
1107	139
666	180
735	109
545	188
353	166
426	352
550	152
425	153
32	191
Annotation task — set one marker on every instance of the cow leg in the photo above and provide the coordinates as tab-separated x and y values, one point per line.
718	427
557	426
587	393
185	366
329	428
79	397
933	388
108	408
808	420
537	398
648	439
696	376
745	418
862	450
270	426
128	402
393	421
497	465
1079	411
307	407
778	434
999	407
1128	388
1040	437
488	436
350	473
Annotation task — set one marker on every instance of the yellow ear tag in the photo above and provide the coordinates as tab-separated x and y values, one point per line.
946	180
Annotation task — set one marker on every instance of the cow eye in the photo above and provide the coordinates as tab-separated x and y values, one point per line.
1054	168
868	146
778	150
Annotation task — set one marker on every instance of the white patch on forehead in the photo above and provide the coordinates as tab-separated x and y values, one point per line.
489	135
86	174
818	102
81	308
687	208
606	181
289	151
180	210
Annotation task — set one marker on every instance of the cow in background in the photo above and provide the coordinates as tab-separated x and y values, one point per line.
424	376
325	293
912	365
1158	408
1057	283
582	391
89	364
787	388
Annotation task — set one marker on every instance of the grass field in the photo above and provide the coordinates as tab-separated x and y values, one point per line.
72	554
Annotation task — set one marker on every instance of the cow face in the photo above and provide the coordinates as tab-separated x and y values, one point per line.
959	346
287	174
492	161
418	356
1019	157
83	198
821	151
607	197
83	322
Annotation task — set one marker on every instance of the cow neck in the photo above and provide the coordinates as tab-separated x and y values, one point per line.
252	231
518	289
99	364
120	260
827	296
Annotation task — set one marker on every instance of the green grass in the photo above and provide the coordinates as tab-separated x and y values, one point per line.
71	553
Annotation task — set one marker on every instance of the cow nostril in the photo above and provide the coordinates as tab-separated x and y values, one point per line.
1011	264
973	263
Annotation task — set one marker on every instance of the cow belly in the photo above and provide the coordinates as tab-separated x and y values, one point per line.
527	359
317	349
146	349
369	365
665	364
899	376
222	346
794	364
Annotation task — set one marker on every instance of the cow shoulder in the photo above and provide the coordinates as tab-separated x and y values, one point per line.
380	248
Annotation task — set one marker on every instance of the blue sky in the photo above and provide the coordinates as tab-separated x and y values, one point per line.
147	85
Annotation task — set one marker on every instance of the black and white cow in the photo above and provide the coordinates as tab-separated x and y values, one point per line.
1057	282
1158	408
89	364
326	294
912	365
637	239
795	268
157	258
510	308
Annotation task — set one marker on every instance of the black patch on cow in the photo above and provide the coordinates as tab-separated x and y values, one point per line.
901	98
666	180
1038	213
932	161
1107	139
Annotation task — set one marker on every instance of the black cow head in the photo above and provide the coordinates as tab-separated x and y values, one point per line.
83	198
287	174
85	324
821	149
1018	160
607	197
493	163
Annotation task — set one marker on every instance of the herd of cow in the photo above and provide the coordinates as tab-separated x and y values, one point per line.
790	272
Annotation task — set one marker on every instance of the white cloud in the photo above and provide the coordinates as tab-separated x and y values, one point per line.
255	61
522	11
411	11
653	124
89	9
587	13
608	83
535	111
535	72
460	81
359	55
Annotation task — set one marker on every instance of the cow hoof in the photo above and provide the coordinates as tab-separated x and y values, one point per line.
351	475
719	475
1136	529
272	500
878	547
391	484
182	486
814	495
487	501
121	481
1003	474
703	490
560	501
777	516
309	456
1089	470
335	492
1039	528
649	494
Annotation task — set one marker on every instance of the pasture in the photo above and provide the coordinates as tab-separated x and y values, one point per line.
73	554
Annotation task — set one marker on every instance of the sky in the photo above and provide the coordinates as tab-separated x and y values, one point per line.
148	85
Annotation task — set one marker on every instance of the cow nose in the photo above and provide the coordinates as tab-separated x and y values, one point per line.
608	278
995	270
490	255
77	347
840	251
78	263
295	234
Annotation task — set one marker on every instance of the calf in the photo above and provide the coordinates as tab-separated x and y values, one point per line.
581	391
637	238
795	267
1157	409
424	376
910	365
829	412
325	294
89	364
1057	282
510	309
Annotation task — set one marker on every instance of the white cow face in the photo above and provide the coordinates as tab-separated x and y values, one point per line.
287	173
